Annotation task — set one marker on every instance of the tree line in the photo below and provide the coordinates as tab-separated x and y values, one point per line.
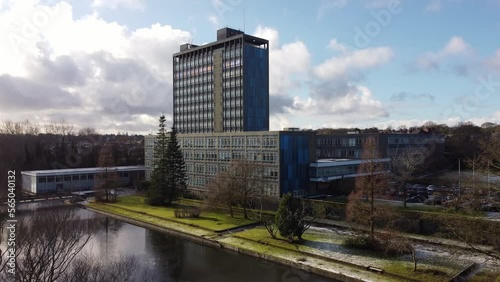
57	145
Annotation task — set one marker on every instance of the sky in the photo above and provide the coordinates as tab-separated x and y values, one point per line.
107	64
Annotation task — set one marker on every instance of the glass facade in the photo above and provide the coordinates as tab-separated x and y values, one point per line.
294	163
256	88
193	92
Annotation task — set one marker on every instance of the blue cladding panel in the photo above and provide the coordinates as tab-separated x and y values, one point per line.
294	162
256	88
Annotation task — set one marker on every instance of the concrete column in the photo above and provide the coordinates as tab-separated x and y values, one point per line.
218	99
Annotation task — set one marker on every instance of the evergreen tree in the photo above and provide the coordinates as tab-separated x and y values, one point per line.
159	178
176	173
290	216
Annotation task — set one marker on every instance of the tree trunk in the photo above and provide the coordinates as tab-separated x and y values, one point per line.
231	210
372	208
414	256
245	212
372	229
405	191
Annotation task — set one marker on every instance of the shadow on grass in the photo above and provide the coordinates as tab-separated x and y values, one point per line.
339	248
200	218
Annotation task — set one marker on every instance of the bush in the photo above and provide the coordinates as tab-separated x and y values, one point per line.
187	212
360	242
144	185
155	201
290	217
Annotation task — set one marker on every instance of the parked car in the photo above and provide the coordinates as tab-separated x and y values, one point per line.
432	188
491	207
435	201
416	199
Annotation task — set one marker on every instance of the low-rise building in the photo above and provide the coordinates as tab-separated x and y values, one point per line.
284	155
350	145
76	179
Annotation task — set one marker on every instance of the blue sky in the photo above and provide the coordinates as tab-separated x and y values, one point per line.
334	63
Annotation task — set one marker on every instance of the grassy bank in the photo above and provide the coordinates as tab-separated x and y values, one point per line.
208	220
320	251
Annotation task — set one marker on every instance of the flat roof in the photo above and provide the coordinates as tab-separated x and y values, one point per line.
81	170
246	37
342	162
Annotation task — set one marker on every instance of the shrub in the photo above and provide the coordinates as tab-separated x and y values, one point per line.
290	217
360	242
187	212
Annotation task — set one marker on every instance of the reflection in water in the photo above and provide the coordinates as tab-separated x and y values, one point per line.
176	259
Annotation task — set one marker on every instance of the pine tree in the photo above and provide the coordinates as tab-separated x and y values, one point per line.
176	173
159	178
290	216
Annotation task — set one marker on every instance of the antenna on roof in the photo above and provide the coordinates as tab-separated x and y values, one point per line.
243	19
190	42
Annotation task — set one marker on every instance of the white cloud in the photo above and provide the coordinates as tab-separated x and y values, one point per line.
288	63
353	62
357	102
113	4
108	76
494	61
214	20
334	45
455	47
278	122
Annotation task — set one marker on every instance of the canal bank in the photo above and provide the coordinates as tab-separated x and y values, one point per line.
316	264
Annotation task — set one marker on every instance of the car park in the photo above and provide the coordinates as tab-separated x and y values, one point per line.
416	199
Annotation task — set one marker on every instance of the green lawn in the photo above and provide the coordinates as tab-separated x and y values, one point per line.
152	220
486	276
317	242
207	220
424	272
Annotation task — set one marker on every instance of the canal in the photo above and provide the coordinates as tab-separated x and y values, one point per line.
171	258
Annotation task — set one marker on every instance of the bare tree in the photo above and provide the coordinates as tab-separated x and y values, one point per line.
59	128
474	233
108	179
46	245
123	269
394	243
19	128
248	179
221	192
87	131
404	166
371	183
238	185
49	248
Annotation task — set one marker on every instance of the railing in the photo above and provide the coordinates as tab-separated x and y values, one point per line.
35	198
